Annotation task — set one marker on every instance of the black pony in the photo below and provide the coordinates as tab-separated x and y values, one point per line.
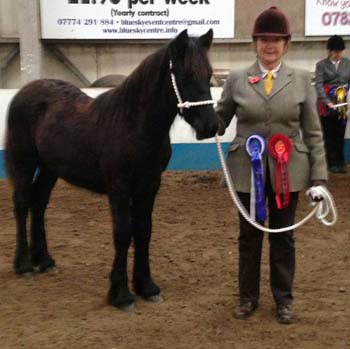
116	144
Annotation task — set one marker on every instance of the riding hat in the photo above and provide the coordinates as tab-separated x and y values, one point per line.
272	22
335	43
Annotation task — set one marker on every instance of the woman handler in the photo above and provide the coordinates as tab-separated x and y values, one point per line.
275	107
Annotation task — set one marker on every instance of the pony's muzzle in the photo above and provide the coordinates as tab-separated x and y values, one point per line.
206	126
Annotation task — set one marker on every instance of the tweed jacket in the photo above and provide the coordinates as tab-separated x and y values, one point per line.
327	74
289	109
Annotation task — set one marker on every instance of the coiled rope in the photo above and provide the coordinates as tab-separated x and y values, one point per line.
322	209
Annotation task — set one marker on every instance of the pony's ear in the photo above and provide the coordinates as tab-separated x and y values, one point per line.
178	45
206	39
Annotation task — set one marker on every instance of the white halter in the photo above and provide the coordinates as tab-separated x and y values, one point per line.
186	104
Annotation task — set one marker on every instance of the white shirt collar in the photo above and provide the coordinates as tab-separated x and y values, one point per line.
264	71
335	62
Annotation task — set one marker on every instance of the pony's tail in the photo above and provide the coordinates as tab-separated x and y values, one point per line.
20	149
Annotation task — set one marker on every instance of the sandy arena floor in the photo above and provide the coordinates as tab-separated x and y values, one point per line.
194	260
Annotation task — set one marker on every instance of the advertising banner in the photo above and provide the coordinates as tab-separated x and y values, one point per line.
327	17
135	19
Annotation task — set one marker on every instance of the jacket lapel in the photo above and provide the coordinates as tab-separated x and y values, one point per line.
254	71
284	77
342	64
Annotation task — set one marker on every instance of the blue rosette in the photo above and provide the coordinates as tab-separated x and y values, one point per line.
255	146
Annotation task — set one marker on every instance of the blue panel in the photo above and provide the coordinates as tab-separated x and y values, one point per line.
195	156
186	156
2	164
347	150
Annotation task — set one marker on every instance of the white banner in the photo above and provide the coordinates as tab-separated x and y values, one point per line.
135	19
327	17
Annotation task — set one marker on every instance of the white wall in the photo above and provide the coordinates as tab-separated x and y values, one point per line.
8	19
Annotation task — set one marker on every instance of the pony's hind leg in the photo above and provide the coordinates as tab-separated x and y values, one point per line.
22	181
41	190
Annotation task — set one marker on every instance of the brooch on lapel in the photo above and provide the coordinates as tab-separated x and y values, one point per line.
254	79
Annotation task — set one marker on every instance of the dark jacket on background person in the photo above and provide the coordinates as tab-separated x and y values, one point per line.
333	123
326	73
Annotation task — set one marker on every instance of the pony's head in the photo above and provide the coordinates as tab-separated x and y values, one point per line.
191	72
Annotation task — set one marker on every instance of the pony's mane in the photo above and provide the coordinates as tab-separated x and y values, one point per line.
196	62
137	92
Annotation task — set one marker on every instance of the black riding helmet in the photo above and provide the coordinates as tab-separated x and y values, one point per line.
335	43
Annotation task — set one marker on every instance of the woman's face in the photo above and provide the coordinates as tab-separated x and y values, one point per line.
335	55
270	50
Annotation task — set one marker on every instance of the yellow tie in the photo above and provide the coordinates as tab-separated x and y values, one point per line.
337	65
268	82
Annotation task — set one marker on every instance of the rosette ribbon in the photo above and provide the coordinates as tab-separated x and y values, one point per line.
280	148
255	146
340	95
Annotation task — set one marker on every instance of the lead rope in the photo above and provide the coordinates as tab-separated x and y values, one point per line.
321	210
340	105
186	104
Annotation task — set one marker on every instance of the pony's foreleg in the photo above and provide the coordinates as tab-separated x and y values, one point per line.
142	208
42	188
119	294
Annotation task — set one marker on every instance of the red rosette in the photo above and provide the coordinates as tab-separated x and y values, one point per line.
280	148
327	88
280	145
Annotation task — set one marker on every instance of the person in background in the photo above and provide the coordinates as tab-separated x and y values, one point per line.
333	73
274	103
347	111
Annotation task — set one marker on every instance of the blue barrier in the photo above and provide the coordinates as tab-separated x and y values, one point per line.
186	156
347	150
2	165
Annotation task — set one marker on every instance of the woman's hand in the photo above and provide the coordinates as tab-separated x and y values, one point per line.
314	197
330	105
221	127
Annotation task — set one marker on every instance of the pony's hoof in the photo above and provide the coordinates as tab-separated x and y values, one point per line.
155	299
45	265
22	265
52	270
121	299
127	308
25	271
148	290
26	275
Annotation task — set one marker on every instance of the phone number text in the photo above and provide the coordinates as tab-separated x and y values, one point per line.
336	18
85	21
